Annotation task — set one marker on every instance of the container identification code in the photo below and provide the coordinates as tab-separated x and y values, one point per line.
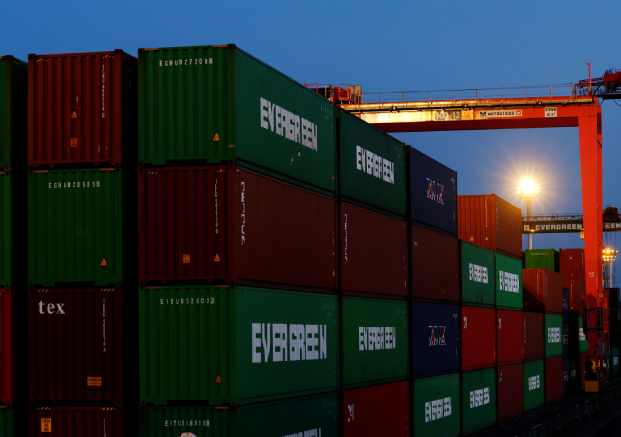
375	165
479	397
282	342
182	423
438	409
478	273
534	383
57	185
287	124
315	432
509	282
187	301
184	62
377	338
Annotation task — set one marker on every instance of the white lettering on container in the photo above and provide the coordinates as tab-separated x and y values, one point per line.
437	335
374	165
189	423
377	338
435	191
67	185
554	335
477	273
282	342
315	432
534	383
188	300
438	409
479	397
509	282
184	62
287	124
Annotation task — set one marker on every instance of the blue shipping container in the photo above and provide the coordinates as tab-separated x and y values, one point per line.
435	339
433	188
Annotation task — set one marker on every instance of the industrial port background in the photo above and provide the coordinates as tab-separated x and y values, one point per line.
388	46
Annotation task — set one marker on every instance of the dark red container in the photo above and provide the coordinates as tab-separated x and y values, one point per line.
491	222
555	386
510	336
75	345
380	410
81	108
577	295
478	336
435	265
542	291
6	347
76	422
374	258
572	277
510	392
533	336
227	224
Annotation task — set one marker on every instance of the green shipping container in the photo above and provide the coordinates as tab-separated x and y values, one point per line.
534	385
554	335
6	230
546	259
437	406
313	416
218	103
235	344
478	395
372	165
75	227
7	422
477	275
583	344
13	84
509	292
375	341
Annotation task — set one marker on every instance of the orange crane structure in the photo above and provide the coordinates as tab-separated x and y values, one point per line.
582	109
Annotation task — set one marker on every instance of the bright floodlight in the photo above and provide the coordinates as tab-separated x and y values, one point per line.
528	187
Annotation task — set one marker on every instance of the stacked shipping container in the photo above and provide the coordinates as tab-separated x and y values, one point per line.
80	305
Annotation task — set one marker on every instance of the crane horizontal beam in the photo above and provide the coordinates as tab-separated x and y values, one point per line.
562	224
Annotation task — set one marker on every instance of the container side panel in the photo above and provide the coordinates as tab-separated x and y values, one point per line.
75	422
534	384
7	422
510	392
6	230
554	379
478	394
547	259
509	293
553	335
437	406
478	336
477	275
533	336
6	348
510	336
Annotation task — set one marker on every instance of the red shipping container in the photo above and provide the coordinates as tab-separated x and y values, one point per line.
509	392
380	410
555	386
223	223
435	265
510	336
491	222
533	336
542	291
374	258
6	347
478	338
577	295
81	108
571	266
75	345
76	422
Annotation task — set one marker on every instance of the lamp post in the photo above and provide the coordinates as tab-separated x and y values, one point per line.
528	189
609	256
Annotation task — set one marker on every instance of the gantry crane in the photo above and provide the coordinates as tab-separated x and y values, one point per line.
582	109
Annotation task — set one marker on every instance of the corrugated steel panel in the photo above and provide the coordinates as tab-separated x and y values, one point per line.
75	345
478	336
7	422
477	275
312	416
375	343
13	84
437	406
553	335
533	336
374	253
75	422
510	391
224	223
542	291
534	384
491	222
373	165
6	347
377	410
75	227
81	109
478	395
6	230
435	265
554	379
510	336
572	276
509	291
547	259
222	344
435	339
433	192
217	103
